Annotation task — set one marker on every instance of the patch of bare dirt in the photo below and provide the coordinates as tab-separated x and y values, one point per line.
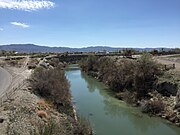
169	60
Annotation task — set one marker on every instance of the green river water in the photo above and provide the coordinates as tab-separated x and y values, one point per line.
107	115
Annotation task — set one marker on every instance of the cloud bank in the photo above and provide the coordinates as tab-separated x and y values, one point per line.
1	29
26	5
22	25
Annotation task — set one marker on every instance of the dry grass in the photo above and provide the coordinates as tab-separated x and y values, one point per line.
44	104
42	114
153	107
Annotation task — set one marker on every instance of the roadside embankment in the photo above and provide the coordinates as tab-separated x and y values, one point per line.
48	111
27	114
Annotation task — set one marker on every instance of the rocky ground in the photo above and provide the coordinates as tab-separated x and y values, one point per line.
171	82
26	114
170	89
170	112
164	98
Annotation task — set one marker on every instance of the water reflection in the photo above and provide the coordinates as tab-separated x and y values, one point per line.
114	108
107	109
92	84
139	121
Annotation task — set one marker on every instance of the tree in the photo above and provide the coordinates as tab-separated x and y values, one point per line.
127	53
145	74
154	52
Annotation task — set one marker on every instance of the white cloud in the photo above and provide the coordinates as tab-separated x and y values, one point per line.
1	29
23	25
26	5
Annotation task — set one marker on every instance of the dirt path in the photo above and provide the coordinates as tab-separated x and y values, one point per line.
18	75
168	61
5	80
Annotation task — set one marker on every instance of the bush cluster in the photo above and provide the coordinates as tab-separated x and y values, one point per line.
53	85
152	107
33	63
137	76
55	127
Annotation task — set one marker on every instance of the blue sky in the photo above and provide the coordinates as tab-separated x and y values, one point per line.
81	23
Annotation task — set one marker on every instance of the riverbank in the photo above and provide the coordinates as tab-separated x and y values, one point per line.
108	115
25	112
157	97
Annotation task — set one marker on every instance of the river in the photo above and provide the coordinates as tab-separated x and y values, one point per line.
107	115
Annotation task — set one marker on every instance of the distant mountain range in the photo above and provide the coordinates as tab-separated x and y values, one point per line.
29	48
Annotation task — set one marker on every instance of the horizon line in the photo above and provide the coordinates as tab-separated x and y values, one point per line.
83	46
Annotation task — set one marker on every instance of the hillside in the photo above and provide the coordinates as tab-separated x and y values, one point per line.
29	48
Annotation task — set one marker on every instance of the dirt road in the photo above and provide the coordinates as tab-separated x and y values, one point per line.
12	77
169	61
5	80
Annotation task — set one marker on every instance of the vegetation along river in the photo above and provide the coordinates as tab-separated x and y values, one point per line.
108	115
